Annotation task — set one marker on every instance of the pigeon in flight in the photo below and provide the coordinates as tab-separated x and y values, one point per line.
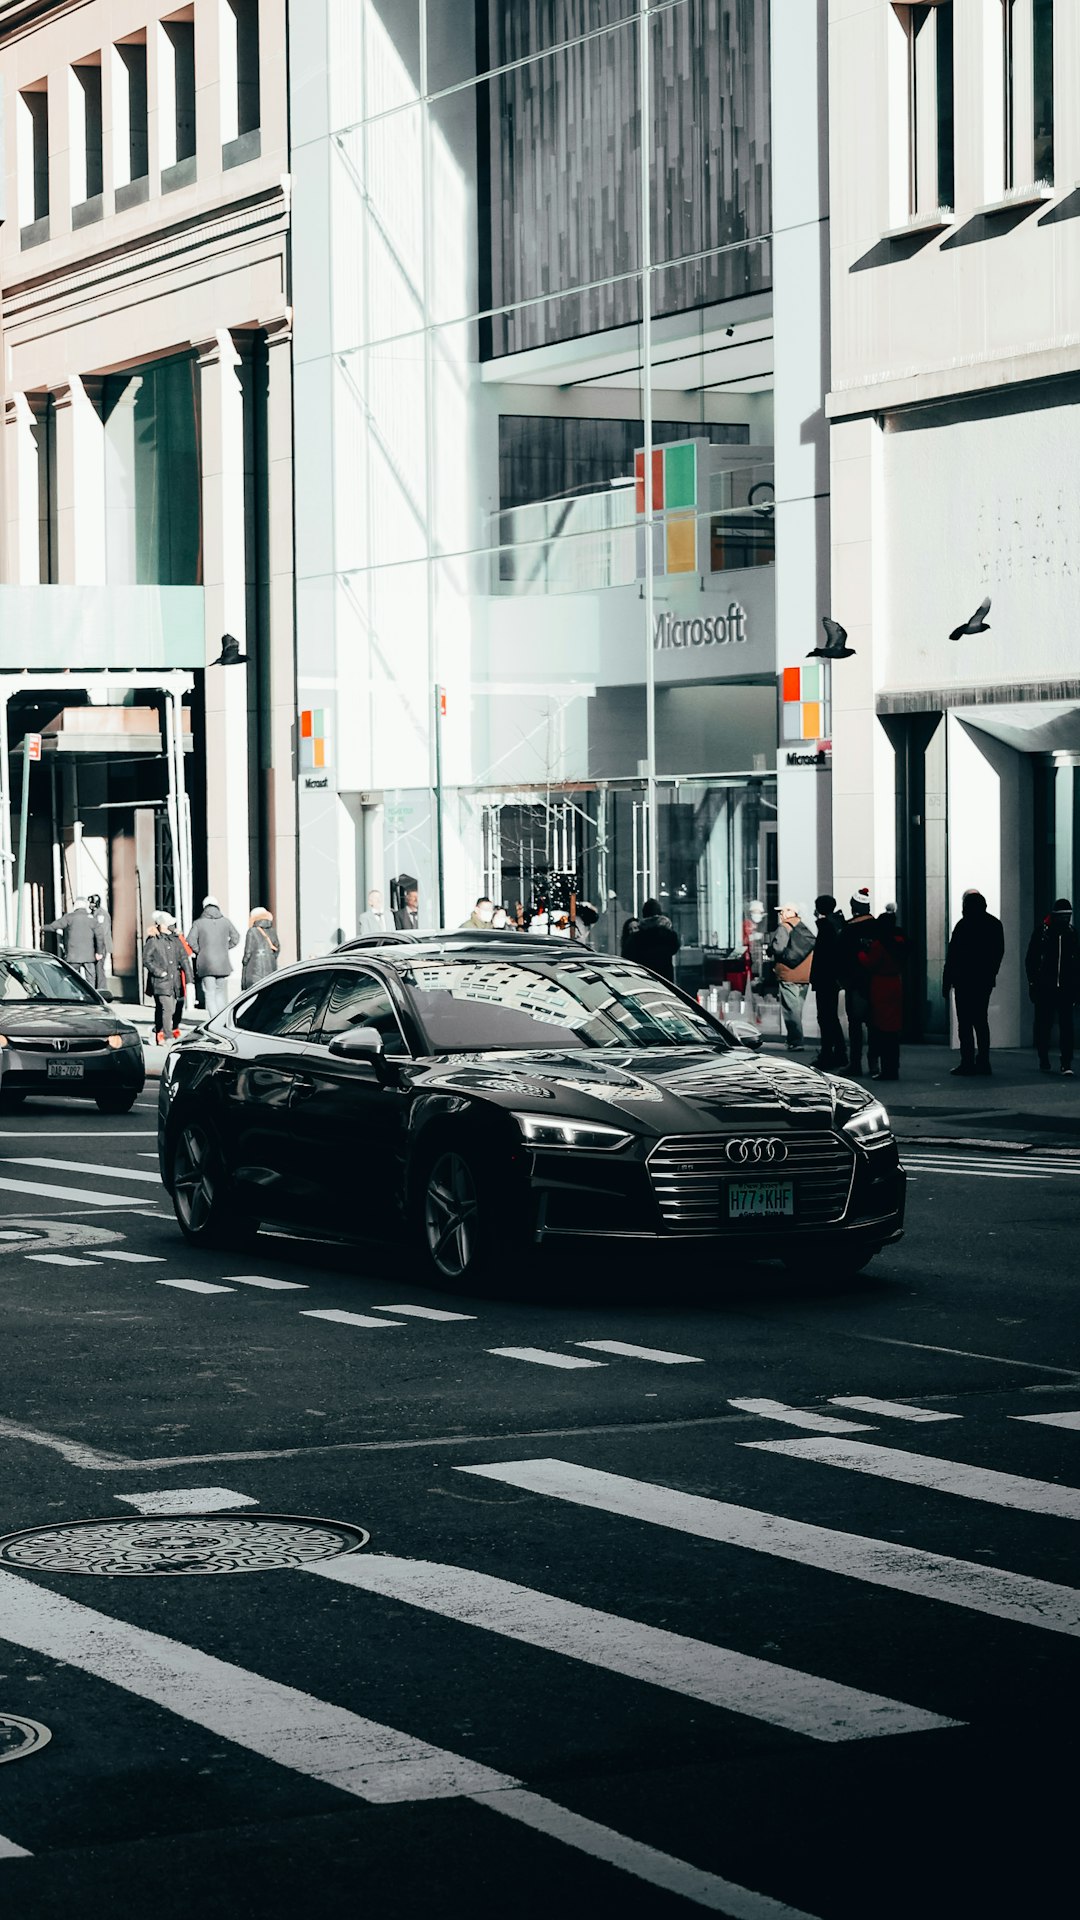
230	655
977	624
836	646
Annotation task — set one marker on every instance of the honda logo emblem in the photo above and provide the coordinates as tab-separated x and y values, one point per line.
745	1153
60	1046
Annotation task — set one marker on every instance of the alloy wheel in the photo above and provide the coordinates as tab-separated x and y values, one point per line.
451	1215
193	1178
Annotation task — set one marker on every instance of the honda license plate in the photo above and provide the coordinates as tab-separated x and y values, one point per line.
761	1200
63	1070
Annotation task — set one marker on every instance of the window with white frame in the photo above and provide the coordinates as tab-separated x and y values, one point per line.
922	140
1042	76
33	162
86	151
241	82
176	102
131	124
1024	60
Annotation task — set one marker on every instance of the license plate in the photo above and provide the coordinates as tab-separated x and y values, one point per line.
63	1070
761	1200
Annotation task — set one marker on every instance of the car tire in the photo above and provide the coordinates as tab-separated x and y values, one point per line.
455	1215
204	1208
115	1102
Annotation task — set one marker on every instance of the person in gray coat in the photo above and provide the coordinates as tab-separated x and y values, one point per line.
102	919
261	949
211	939
81	948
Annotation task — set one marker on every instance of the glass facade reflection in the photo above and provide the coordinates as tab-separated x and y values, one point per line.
536	578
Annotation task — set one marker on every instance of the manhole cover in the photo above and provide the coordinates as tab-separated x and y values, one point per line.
19	1737
218	1543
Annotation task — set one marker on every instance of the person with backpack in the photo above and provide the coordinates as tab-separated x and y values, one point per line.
1053	973
791	951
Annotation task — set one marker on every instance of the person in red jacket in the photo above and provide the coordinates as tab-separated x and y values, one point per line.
882	961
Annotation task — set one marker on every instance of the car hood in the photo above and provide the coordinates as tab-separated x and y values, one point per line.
664	1090
26	1020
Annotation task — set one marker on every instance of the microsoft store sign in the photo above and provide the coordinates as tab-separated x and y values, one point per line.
730	629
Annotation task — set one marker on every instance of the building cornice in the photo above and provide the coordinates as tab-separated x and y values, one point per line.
1005	693
894	391
20	17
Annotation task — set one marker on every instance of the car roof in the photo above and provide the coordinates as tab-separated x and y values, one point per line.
401	948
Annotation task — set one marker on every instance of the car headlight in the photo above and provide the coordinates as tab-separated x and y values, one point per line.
549	1130
116	1041
870	1126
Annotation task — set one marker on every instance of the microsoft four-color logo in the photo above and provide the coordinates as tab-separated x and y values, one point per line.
314	739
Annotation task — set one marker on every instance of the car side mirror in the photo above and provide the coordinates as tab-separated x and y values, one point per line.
745	1035
359	1043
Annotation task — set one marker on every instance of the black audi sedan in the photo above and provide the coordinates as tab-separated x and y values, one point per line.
480	1094
57	1036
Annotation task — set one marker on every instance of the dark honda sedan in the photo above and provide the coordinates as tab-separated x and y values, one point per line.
479	1096
58	1036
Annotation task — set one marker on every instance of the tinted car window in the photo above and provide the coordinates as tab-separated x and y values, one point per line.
44	979
359	1000
468	1006
285	1008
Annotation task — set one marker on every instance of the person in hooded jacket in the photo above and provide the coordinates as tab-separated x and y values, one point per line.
81	949
826	983
652	941
855	937
164	958
972	963
211	940
1053	974
261	948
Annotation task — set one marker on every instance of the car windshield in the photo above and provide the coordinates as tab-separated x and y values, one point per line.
474	1006
31	979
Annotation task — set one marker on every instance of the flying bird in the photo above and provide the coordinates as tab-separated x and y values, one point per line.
977	624
836	646
230	655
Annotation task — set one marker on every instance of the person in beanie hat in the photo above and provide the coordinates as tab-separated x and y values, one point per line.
165	958
81	948
976	950
855	938
1053	974
826	983
211	940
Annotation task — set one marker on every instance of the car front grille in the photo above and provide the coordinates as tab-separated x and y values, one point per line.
691	1176
74	1045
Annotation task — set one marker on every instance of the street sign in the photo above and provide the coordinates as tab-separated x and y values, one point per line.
32	742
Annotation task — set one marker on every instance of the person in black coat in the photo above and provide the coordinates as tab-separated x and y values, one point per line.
972	963
652	941
826	981
1053	973
855	938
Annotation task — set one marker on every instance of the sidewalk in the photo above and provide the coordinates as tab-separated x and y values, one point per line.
1017	1103
143	1018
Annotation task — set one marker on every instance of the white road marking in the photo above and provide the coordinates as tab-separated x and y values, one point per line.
83	1166
1068	1420
1030	1163
371	1761
347	1319
660	1354
9	1850
272	1286
87	1195
132	1259
187	1500
541	1358
426	1313
964	1353
762	1689
890	1409
75	1133
880	1563
940	1476
73	1451
16	1236
194	1286
792	1417
975	1173
60	1260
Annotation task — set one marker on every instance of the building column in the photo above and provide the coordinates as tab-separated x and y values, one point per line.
225	595
22	564
864	764
280	774
80	487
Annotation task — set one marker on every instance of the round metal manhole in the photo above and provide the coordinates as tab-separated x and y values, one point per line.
214	1543
19	1737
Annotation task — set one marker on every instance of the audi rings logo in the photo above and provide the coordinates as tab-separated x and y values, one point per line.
746	1153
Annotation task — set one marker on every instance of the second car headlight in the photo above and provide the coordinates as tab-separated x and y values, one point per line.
548	1130
871	1126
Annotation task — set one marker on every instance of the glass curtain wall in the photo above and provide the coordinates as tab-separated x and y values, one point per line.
551	371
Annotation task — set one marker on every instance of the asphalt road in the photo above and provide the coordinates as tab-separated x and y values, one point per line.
654	1614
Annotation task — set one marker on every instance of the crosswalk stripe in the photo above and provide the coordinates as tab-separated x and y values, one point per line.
661	1355
1070	1421
762	1689
346	1319
172	1500
60	1260
271	1286
880	1563
131	1259
426	1313
194	1286
540	1357
371	1761
102	1171
889	1409
9	1850
940	1476
793	1417
89	1196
